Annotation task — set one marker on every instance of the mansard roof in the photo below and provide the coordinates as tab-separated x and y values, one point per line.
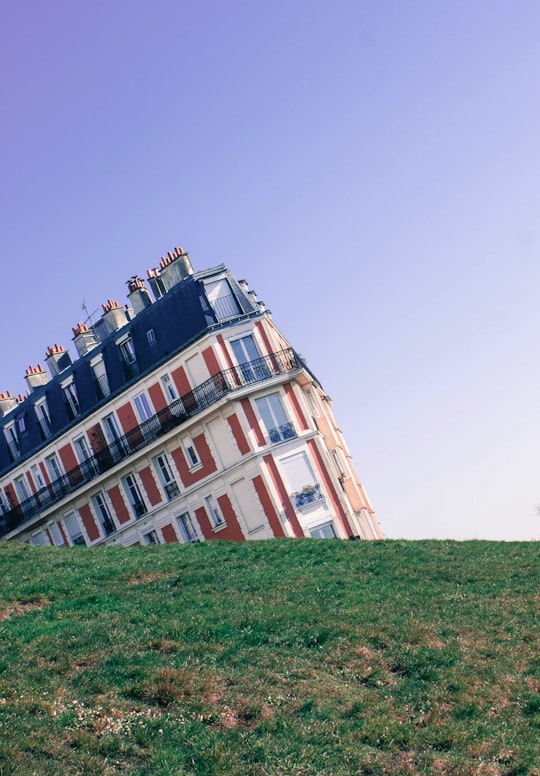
163	328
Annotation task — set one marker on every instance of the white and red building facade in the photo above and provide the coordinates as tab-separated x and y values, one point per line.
188	417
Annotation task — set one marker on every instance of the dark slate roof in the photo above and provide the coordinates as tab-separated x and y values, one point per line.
178	318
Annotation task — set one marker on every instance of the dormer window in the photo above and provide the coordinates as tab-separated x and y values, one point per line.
222	299
71	399
100	376
44	419
21	424
127	352
12	441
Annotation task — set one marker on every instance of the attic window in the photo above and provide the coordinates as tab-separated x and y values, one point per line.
71	399
42	412
222	299
12	441
128	351
151	336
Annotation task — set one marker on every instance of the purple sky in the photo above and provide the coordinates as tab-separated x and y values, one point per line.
371	168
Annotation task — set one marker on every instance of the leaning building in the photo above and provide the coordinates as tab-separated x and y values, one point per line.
186	417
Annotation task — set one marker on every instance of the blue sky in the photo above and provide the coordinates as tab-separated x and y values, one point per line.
371	168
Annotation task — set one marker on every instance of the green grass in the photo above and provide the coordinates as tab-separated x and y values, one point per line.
281	657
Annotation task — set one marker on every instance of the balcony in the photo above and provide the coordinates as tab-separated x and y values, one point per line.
281	433
199	399
172	490
310	494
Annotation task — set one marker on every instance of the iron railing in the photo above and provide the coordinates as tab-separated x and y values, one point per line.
180	410
281	433
308	495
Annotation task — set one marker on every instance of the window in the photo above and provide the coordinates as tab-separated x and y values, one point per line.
134	496
216	518
252	366
53	467
4	503
100	377
305	490
22	488
142	405
169	388
150	538
56	533
39	538
73	528
128	351
44	420
12	442
325	531
71	399
151	336
274	418
84	456
127	355
222	299
191	453
37	476
166	476
187	528
117	444
55	473
101	508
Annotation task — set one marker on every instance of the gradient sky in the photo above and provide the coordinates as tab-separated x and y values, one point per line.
371	168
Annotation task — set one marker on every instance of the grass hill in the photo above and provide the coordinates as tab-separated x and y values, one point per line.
282	657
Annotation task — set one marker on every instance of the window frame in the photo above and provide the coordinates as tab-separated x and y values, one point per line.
54	528
213	510
166	476
193	459
279	432
143	406
77	539
104	513
12	441
22	487
187	528
44	418
71	398
169	388
134	495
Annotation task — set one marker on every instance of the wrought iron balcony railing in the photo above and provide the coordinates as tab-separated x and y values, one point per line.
188	405
281	433
308	495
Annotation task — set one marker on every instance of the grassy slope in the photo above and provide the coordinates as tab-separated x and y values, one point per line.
280	657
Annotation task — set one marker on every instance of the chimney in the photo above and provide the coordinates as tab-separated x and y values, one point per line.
84	339
57	359
138	296
114	316
36	376
7	402
174	267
